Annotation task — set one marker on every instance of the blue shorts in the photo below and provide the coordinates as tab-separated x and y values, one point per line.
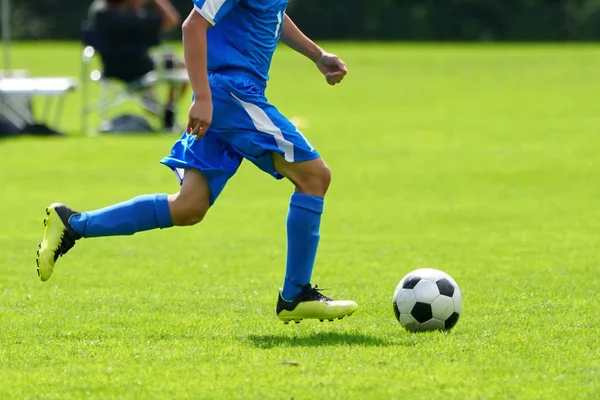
244	125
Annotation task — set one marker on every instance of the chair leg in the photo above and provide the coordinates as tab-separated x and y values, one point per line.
102	102
110	103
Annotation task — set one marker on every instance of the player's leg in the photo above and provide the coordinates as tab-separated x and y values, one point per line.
64	226
189	206
298	299
203	168
147	212
257	131
311	180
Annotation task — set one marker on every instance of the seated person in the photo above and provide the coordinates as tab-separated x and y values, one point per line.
124	33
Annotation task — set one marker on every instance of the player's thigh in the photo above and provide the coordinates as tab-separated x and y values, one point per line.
259	132
273	143
295	157
203	167
193	199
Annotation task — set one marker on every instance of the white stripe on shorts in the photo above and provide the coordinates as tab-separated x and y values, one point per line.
263	123
179	172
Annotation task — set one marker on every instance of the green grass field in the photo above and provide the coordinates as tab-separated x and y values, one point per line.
481	161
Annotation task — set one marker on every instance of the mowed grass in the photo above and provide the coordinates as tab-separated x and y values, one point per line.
480	161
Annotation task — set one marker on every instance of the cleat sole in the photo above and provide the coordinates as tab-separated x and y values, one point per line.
287	322
37	258
297	321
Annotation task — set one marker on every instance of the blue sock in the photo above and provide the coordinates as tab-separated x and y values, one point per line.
136	215
303	222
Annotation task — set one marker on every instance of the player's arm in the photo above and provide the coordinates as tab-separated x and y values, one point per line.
330	65
292	36
195	51
170	16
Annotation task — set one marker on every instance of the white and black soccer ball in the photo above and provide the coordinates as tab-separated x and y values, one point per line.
427	299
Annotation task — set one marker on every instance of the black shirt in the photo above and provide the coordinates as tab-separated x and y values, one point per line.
123	37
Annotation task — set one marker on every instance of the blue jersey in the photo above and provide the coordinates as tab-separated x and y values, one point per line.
244	36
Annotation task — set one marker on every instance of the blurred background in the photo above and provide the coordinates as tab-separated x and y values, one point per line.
45	39
423	20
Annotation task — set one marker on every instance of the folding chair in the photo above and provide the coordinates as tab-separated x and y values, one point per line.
113	93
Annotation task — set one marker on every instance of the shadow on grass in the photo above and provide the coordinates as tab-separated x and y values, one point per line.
316	340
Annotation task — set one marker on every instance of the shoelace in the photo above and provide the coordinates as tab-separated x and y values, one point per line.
315	294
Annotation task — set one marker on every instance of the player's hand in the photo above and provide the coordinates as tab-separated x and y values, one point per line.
200	117
332	67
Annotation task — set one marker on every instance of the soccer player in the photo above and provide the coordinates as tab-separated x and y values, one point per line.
228	46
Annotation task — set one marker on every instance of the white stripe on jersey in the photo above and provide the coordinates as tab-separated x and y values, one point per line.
204	15
279	21
263	123
210	9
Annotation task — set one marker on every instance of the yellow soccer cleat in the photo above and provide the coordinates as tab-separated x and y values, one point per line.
59	238
311	304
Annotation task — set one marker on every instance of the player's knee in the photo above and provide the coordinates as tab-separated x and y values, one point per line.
193	216
187	210
325	179
316	183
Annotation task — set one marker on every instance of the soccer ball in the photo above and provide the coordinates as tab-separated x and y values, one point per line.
426	300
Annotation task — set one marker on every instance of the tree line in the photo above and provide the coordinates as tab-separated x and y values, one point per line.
416	20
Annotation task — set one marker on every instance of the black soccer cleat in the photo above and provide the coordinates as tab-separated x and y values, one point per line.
312	304
59	238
